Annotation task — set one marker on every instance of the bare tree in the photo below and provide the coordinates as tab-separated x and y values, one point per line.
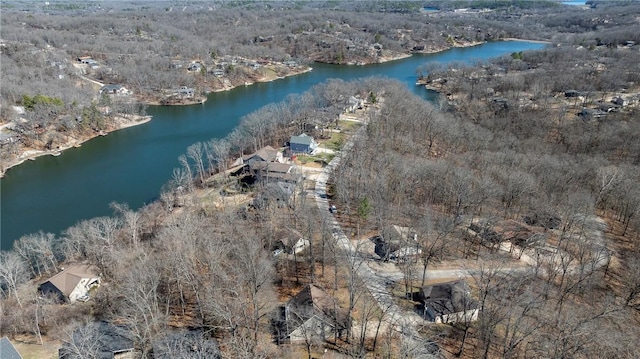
130	220
186	344
38	250
13	272
82	341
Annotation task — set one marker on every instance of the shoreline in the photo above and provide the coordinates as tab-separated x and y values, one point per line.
32	155
534	41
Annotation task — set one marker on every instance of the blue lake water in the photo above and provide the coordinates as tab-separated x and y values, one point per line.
131	166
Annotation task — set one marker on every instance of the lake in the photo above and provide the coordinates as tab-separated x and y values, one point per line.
131	165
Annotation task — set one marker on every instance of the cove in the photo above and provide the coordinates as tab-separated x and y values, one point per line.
130	166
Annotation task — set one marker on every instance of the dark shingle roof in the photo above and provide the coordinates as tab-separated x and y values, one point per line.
447	298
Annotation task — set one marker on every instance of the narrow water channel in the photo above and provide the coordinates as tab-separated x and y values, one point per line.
131	166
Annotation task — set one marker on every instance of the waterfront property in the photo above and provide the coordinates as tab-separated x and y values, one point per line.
53	193
72	284
302	144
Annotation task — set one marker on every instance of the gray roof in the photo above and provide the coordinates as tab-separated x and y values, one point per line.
313	300
7	350
303	139
267	153
447	298
67	280
111	88
106	340
270	167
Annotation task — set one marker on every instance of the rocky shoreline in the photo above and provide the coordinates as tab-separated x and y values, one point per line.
32	154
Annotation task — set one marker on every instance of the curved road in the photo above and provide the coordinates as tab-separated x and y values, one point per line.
406	322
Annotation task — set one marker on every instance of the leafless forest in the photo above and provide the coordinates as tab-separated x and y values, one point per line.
523	177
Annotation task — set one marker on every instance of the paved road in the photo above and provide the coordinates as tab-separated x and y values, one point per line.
377	282
404	322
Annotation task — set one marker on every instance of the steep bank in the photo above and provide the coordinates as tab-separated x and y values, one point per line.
29	153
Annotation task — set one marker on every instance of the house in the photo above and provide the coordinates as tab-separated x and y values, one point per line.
7	350
290	241
290	64
398	243
185	92
311	314
354	104
194	66
620	101
99	340
265	154
72	284
87	60
272	172
302	144
114	90
218	72
590	113
448	302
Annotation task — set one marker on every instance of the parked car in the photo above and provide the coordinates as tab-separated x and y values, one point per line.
333	209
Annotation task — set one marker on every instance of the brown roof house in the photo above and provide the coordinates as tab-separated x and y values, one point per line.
448	302
265	154
290	241
72	284
273	172
311	314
